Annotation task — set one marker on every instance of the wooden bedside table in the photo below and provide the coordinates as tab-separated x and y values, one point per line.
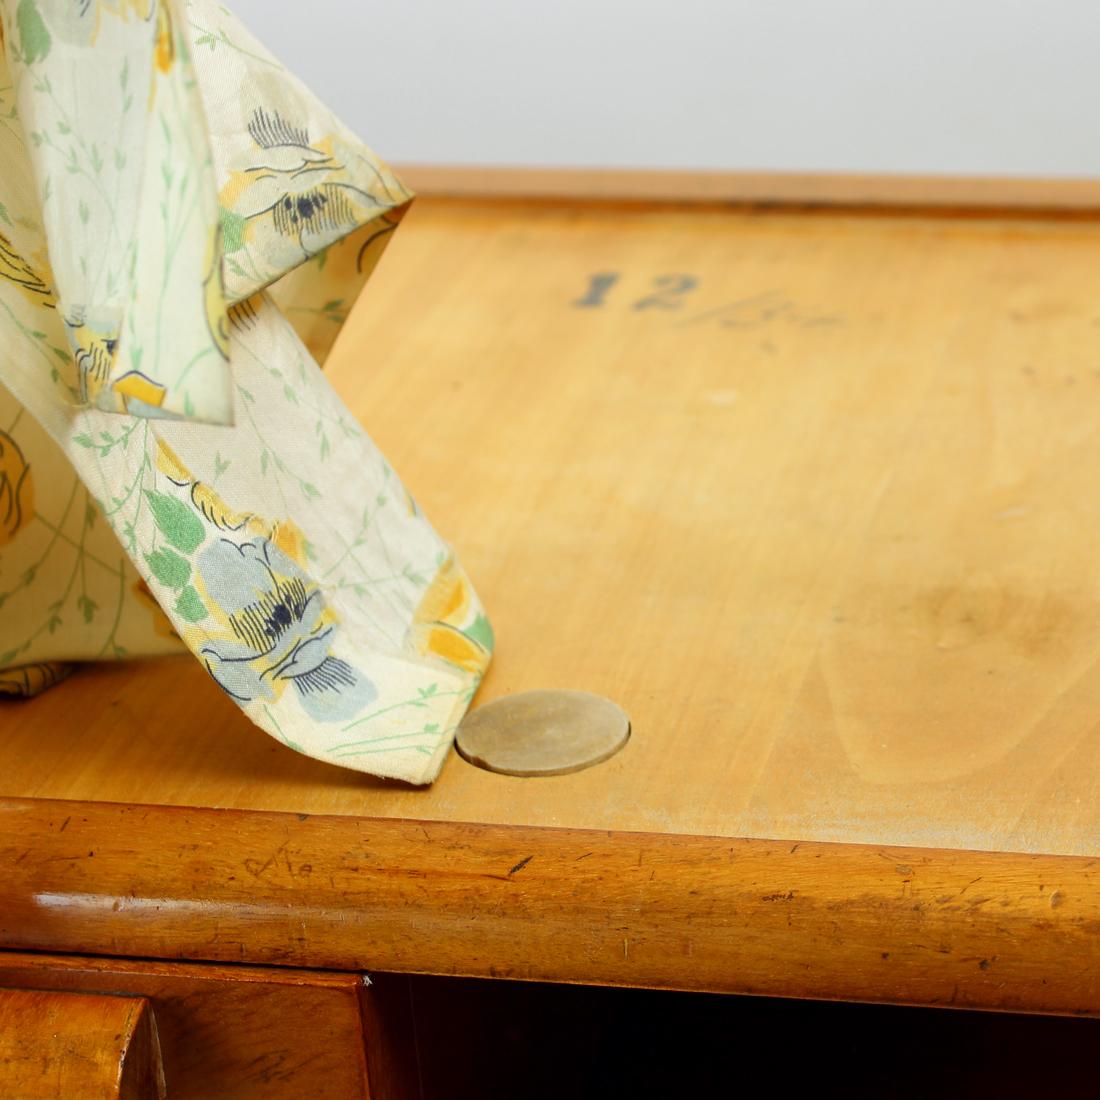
810	493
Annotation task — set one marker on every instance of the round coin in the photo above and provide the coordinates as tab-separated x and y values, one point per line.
543	733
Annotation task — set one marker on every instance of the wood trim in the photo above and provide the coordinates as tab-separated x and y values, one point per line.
237	1031
796	188
390	1038
981	930
55	1045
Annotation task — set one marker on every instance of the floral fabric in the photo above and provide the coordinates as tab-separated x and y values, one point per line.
183	229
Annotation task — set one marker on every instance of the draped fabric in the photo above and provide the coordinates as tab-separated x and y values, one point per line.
183	229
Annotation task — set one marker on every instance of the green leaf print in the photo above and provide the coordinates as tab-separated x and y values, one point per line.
233	227
179	525
34	37
169	568
189	606
481	632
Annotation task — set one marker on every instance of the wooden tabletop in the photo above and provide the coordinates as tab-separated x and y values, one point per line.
825	525
811	494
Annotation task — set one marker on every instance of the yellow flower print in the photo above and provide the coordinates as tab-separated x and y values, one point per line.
217	512
93	350
248	607
289	538
123	9
15	269
16	490
448	622
135	386
298	195
448	642
285	534
169	464
274	631
204	497
448	597
80	23
166	39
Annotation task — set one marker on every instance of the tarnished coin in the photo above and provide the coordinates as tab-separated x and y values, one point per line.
543	733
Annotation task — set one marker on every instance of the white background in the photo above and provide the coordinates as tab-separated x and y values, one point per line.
981	87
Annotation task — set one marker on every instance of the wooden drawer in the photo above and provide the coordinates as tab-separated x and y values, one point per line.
237	1032
92	1045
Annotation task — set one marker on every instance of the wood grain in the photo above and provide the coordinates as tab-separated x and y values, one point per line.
747	916
234	1032
824	188
824	526
59	1046
395	1063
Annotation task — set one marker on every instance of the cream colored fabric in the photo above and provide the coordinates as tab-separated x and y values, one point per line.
183	229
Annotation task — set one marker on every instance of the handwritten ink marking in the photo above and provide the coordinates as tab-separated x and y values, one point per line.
669	293
767	308
279	859
749	312
759	310
598	286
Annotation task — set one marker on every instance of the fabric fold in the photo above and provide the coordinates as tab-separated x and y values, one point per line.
183	230
127	197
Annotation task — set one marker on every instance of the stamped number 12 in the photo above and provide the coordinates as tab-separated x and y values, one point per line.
668	291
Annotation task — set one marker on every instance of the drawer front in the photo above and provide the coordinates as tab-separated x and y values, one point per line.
236	1032
55	1045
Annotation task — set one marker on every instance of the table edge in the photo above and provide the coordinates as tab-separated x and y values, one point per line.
988	930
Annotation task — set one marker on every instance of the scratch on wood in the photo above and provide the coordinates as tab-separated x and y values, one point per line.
520	866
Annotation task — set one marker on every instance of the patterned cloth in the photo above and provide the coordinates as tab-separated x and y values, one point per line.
183	229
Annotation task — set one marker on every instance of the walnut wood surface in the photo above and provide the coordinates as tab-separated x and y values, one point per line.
60	1046
817	920
241	1032
824	525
